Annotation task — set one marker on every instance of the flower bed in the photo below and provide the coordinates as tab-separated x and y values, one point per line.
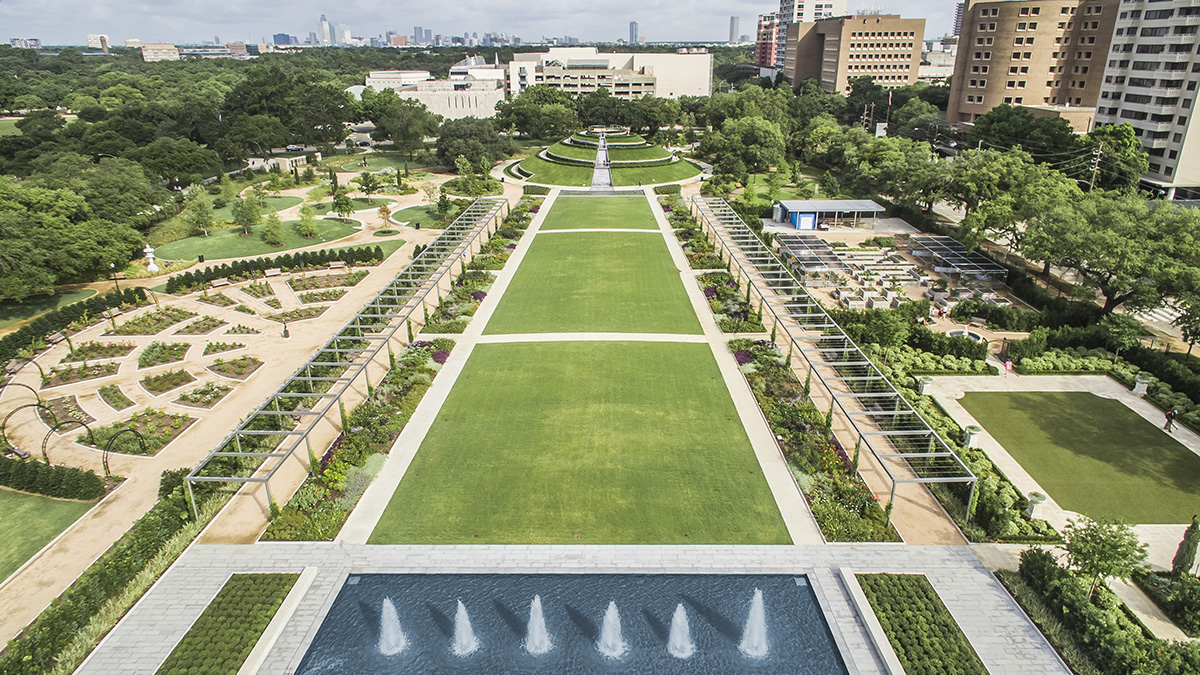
258	289
205	324
90	351
64	408
114	397
237	369
157	427
153	322
273	303
842	504
158	353
733	312
242	330
329	295
60	376
205	396
164	382
299	314
217	299
218	347
455	310
923	634
307	283
699	250
244	310
221	640
338	479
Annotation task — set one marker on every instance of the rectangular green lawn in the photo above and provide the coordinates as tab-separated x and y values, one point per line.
595	282
585	443
569	213
29	522
1093	455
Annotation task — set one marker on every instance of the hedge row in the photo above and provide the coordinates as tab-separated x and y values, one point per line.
922	632
36	331
189	281
536	190
52	481
673	189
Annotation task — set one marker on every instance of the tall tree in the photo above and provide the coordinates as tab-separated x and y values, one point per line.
1103	549
246	214
1122	159
1185	555
406	122
197	212
474	139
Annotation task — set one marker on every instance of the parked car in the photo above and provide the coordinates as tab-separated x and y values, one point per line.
364	144
295	148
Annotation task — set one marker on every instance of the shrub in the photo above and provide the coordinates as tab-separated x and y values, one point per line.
924	635
53	481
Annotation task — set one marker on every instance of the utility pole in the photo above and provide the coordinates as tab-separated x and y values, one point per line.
1096	163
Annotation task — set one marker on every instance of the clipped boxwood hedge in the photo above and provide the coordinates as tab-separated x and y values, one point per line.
52	481
224	635
924	634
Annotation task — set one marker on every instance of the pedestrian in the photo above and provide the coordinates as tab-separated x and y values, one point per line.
1007	367
1170	425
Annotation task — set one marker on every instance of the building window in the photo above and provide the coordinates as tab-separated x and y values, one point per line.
1008	99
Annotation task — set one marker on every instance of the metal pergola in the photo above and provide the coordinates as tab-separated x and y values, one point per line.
947	255
811	254
899	438
307	397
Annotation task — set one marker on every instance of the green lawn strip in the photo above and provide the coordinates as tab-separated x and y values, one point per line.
360	204
618	154
595	282
647	175
29	522
378	161
9	127
231	244
588	212
585	443
1093	455
219	642
274	204
573	151
549	173
924	635
12	312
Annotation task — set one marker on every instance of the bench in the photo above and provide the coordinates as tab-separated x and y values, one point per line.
217	283
55	338
978	322
111	314
273	272
337	265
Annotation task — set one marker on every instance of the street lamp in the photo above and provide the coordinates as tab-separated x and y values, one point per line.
113	275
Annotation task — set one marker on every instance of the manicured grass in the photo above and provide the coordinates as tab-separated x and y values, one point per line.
596	282
231	244
585	443
619	154
549	173
570	213
648	175
1093	455
418	215
29	522
274	204
9	127
378	161
573	151
360	204
15	312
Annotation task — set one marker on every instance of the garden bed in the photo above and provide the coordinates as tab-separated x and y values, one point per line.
328	295
152	323
239	329
60	376
158	353
112	395
1177	596
923	634
244	310
64	408
273	303
307	283
237	369
299	314
205	324
221	640
157	427
258	289
164	382
90	351
218	347
217	299
733	312
205	396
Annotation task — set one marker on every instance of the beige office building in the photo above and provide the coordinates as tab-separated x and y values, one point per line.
884	46
579	70
160	52
1032	53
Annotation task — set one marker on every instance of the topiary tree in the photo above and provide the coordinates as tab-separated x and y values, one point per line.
1102	549
1185	555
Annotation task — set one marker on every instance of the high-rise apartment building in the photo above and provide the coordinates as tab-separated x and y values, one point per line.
25	43
764	40
802	11
735	28
160	52
884	46
633	33
1030	52
133	43
579	70
97	41
1150	81
959	9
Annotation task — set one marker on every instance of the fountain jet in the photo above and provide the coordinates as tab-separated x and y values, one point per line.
465	642
537	638
680	643
754	635
391	637
611	644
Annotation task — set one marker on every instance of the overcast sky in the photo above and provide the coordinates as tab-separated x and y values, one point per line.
68	21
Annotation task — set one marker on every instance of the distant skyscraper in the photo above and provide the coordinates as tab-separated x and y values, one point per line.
633	36
94	40
429	35
324	38
281	39
734	28
959	10
25	43
418	34
765	40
